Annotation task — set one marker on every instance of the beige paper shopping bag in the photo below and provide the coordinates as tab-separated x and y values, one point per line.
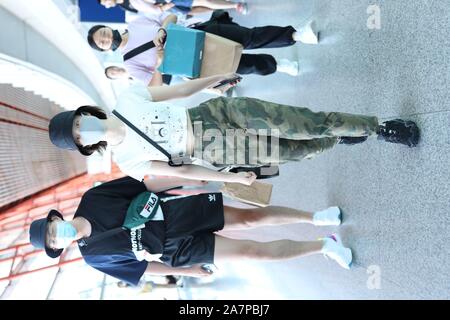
257	194
220	56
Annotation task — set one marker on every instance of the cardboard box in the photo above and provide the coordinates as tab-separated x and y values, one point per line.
220	56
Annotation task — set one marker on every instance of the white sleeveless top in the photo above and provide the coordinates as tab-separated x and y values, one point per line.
166	124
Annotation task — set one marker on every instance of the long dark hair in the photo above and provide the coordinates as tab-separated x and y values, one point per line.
100	147
90	36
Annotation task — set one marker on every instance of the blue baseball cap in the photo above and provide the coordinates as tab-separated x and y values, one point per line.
38	233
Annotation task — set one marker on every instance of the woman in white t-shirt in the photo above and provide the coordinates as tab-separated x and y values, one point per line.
221	131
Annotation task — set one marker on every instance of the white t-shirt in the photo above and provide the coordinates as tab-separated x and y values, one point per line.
164	123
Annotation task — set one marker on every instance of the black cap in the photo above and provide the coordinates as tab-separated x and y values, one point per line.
60	130
38	232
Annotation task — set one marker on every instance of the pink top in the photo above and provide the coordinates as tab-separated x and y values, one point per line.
140	31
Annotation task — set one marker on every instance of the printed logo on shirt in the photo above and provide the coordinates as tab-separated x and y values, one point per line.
136	237
137	247
212	198
149	206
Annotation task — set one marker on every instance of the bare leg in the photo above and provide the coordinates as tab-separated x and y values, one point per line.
228	249
237	218
199	10
215	4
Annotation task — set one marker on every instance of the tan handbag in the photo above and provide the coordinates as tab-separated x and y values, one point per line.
258	194
220	56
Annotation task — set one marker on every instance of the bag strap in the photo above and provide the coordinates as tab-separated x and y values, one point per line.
138	50
147	138
87	241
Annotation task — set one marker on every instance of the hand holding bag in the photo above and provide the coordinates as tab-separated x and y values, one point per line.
183	51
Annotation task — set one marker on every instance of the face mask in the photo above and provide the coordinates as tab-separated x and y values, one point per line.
92	130
117	40
65	234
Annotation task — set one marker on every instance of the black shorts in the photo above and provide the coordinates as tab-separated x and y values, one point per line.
190	225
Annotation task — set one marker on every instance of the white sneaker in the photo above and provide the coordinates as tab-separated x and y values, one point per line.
328	217
307	34
333	249
242	8
287	66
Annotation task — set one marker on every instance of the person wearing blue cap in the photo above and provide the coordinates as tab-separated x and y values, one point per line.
180	234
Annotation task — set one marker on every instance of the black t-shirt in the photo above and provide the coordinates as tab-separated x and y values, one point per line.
122	254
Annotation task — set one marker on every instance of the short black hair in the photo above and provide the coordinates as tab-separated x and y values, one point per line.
100	146
90	36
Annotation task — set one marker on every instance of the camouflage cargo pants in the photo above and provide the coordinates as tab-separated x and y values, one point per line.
301	132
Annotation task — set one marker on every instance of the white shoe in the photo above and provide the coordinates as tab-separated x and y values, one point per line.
328	217
333	249
307	34
242	8
287	66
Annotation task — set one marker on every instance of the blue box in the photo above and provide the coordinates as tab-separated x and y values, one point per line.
183	51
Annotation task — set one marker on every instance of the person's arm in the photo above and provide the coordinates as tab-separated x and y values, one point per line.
159	269
162	7
167	6
146	6
194	172
161	183
184	90
157	78
172	18
162	33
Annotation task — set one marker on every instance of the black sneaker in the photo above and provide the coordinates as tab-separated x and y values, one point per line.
352	140
400	131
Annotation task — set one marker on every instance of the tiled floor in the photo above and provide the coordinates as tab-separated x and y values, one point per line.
396	200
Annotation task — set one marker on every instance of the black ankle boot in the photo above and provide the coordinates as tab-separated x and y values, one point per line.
399	131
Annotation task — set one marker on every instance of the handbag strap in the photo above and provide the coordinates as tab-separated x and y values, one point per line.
138	50
147	138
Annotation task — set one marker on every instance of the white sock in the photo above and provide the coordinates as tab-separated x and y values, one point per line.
327	217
